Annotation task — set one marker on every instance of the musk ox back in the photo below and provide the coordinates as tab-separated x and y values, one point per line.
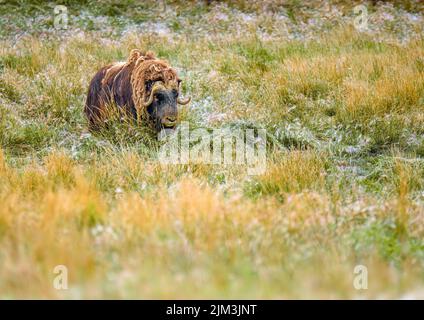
144	87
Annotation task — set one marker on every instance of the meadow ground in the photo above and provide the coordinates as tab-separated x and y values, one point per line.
343	186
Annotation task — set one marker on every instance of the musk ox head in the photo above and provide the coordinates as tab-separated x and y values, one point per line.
156	90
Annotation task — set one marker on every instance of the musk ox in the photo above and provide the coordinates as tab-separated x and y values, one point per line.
144	87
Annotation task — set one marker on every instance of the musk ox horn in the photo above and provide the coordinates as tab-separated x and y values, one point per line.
156	87
183	102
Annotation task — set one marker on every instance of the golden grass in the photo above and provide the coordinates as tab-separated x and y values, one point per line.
294	172
54	214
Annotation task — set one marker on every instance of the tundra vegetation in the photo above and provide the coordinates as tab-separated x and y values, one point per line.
344	184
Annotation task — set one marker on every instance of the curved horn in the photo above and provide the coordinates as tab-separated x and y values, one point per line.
156	87
183	102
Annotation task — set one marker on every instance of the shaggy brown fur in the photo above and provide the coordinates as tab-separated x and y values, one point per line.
127	85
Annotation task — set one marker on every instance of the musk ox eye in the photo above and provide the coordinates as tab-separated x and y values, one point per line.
149	85
175	93
159	96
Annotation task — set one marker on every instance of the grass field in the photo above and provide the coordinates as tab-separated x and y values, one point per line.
344	184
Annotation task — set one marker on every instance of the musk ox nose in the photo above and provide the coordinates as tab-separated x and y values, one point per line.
170	118
169	121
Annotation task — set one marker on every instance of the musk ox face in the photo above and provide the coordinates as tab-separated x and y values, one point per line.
163	103
163	110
